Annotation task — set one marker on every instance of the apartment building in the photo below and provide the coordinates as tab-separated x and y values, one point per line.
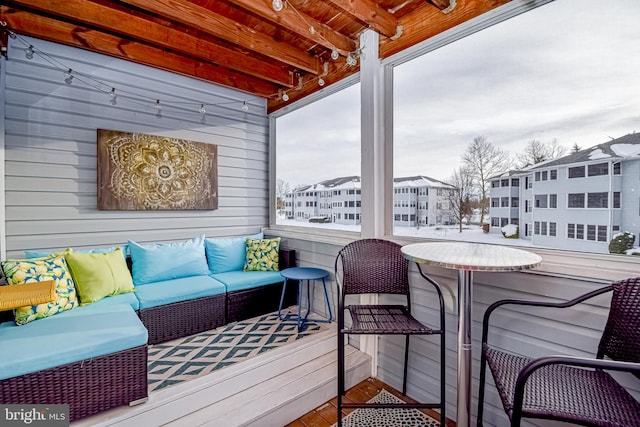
577	202
418	201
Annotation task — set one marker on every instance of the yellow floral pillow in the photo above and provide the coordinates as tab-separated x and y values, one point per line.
262	254
37	270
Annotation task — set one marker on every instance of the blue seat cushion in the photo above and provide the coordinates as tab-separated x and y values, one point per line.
71	336
122	299
176	290
241	280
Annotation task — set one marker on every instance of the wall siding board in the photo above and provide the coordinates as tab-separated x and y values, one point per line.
50	133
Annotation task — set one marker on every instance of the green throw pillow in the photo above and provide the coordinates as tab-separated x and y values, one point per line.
99	275
262	254
39	270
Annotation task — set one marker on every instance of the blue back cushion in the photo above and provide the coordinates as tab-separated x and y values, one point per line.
227	254
165	261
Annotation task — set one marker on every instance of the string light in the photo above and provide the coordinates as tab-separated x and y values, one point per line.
71	75
68	76
334	54
285	97
320	81
351	60
312	30
277	5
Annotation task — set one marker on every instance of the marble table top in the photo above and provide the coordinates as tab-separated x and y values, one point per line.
471	256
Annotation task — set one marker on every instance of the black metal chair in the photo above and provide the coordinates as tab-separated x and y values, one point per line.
374	266
566	388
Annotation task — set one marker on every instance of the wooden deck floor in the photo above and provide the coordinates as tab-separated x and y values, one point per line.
326	415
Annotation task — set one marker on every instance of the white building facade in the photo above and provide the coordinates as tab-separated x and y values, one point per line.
418	201
578	202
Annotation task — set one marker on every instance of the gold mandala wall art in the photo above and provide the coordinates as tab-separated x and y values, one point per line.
149	172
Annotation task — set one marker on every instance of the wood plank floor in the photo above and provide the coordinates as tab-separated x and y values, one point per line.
326	415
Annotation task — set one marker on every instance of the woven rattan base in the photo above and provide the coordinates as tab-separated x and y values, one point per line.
171	321
89	386
249	303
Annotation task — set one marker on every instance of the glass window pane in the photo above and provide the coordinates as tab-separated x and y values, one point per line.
598	169
576	200
576	172
317	173
598	200
446	111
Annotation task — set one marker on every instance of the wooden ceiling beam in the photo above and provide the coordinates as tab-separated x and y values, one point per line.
441	4
428	21
131	26
299	23
370	12
205	20
30	24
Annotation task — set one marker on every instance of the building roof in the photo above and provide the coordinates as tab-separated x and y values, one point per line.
627	146
349	182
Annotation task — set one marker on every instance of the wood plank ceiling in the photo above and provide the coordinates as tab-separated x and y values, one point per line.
281	55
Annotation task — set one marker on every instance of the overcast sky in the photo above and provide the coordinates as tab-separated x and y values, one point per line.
569	70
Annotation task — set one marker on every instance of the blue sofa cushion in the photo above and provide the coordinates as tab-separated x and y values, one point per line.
177	290
241	280
129	299
78	334
227	254
165	261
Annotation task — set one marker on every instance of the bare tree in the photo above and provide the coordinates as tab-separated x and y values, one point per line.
536	152
282	188
484	161
460	196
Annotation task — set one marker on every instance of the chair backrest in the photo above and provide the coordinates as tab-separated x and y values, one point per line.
373	266
621	337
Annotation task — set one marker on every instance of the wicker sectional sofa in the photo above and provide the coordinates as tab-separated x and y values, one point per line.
94	357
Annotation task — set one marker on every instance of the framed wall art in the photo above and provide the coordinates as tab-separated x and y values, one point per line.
149	172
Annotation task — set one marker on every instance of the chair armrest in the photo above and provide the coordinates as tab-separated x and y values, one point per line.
565	304
583	362
287	258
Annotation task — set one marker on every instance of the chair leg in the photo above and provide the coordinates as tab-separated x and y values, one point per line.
340	374
483	376
443	373
406	365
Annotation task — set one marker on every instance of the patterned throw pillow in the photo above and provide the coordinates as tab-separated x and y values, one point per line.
262	254
38	270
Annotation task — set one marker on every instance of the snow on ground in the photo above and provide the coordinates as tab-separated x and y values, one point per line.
470	233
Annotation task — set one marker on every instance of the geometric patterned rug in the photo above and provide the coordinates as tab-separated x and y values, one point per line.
190	357
391	417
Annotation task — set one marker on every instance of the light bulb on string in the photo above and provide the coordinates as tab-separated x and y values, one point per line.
334	54
312	30
351	60
28	53
202	110
114	96
320	82
245	106
277	5
68	76
285	97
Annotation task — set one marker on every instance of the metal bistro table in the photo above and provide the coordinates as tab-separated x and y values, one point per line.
301	274
467	258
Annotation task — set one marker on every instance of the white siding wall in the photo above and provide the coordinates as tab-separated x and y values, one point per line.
533	332
50	150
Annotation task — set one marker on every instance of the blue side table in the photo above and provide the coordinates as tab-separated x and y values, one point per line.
301	274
